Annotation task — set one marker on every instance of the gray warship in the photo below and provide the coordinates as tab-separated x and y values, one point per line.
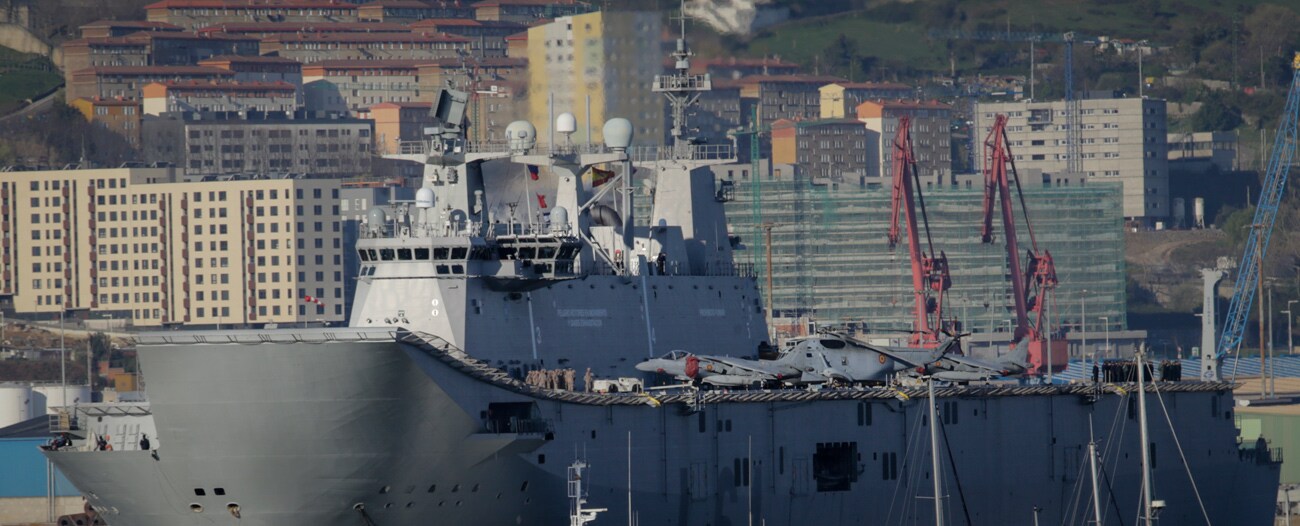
425	410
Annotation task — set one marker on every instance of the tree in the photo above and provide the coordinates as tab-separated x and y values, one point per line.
842	54
1216	114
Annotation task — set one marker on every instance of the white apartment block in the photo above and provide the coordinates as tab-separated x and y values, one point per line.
137	244
1120	140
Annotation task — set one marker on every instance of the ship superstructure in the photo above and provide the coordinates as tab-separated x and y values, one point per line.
488	308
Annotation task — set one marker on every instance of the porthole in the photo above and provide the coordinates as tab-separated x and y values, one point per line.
385	489
523	487
196	507
432	488
474	489
455	488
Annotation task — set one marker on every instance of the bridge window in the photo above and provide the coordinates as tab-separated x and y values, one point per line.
459	253
365	255
421	254
387	254
440	253
404	254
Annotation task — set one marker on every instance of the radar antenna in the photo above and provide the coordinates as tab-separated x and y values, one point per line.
682	89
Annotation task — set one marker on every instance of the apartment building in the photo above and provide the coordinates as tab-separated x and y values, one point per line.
116	115
140	245
125	82
931	136
406	11
718	112
1202	152
792	97
827	151
529	11
206	146
353	86
187	49
157	48
258	69
1121	140
316	47
96	52
121	28
397	122
244	99
839	100
487	37
262	30
570	59
734	68
197	14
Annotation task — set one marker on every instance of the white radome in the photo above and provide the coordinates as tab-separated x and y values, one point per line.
566	123
618	133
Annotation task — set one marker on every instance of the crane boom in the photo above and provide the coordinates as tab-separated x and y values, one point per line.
1032	288
929	272
1270	197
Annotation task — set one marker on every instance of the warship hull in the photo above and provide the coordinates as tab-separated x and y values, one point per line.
387	427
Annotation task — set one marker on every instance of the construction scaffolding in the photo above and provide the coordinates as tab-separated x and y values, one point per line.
831	265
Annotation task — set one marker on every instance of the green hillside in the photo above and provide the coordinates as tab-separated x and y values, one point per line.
1214	39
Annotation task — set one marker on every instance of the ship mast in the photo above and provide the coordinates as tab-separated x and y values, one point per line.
934	457
683	90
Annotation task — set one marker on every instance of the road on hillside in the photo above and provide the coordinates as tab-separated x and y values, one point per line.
37	106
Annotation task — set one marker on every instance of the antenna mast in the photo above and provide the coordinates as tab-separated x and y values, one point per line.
682	89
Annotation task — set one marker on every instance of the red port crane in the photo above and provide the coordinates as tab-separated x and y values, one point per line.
930	278
1032	288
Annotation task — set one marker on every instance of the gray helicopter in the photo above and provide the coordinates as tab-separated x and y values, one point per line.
836	358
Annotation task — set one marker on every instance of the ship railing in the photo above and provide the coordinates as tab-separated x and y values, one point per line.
461	146
64	422
682	82
678	268
1261	451
693	152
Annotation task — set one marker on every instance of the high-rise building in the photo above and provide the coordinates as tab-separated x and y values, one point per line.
201	145
1120	139
597	59
839	100
139	244
116	115
831	263
826	149
931	135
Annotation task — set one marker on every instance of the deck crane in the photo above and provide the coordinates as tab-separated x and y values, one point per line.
1031	289
1252	260
929	272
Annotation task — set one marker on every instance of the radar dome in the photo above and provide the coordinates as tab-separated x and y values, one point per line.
559	220
521	135
376	219
618	133
424	198
566	123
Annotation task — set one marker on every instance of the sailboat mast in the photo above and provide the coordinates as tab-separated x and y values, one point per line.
934	459
1146	441
1092	463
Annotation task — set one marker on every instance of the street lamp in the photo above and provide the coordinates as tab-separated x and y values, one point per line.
1290	345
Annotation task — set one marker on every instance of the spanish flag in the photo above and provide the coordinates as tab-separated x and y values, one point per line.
599	177
533	172
541	201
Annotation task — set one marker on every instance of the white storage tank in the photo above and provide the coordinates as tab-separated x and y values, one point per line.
15	403
1198	212
50	397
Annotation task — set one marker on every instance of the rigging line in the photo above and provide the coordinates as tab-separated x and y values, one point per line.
893	501
1110	493
1073	509
952	463
1181	456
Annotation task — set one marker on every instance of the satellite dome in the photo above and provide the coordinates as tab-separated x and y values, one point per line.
376	219
618	133
559	220
566	123
424	198
521	135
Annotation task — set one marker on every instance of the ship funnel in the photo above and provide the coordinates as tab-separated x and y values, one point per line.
521	136
618	133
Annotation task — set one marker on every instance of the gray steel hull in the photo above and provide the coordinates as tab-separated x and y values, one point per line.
302	433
